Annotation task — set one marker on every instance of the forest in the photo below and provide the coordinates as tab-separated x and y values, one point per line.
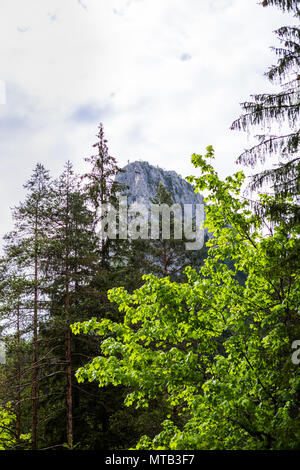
140	344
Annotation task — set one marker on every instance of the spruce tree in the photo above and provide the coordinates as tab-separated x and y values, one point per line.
15	326
71	259
277	108
102	187
25	246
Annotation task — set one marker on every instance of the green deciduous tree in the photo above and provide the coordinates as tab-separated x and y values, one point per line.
9	440
219	352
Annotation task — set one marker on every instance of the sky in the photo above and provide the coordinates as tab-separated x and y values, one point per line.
165	77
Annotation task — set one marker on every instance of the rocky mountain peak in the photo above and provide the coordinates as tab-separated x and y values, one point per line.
143	180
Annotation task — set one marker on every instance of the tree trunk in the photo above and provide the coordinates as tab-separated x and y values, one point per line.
35	353
18	410
69	391
68	363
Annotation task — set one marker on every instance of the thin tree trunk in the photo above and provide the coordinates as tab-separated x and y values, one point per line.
35	352
69	391
68	344
18	411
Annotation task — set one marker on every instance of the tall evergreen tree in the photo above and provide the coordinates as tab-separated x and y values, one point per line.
70	262
278	108
102	186
25	244
15	326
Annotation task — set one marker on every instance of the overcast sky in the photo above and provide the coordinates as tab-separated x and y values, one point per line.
165	77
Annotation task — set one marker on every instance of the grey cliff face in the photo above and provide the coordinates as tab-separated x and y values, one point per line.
143	180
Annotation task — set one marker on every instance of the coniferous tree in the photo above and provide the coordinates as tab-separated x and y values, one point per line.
102	187
282	110
25	245
71	259
15	326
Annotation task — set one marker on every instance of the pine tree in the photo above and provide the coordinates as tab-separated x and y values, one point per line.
102	187
15	325
25	245
281	108
71	259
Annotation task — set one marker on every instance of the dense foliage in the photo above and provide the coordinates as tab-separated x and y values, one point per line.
56	270
9	440
217	351
196	349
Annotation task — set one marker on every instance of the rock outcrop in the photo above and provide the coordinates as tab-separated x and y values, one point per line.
143	180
